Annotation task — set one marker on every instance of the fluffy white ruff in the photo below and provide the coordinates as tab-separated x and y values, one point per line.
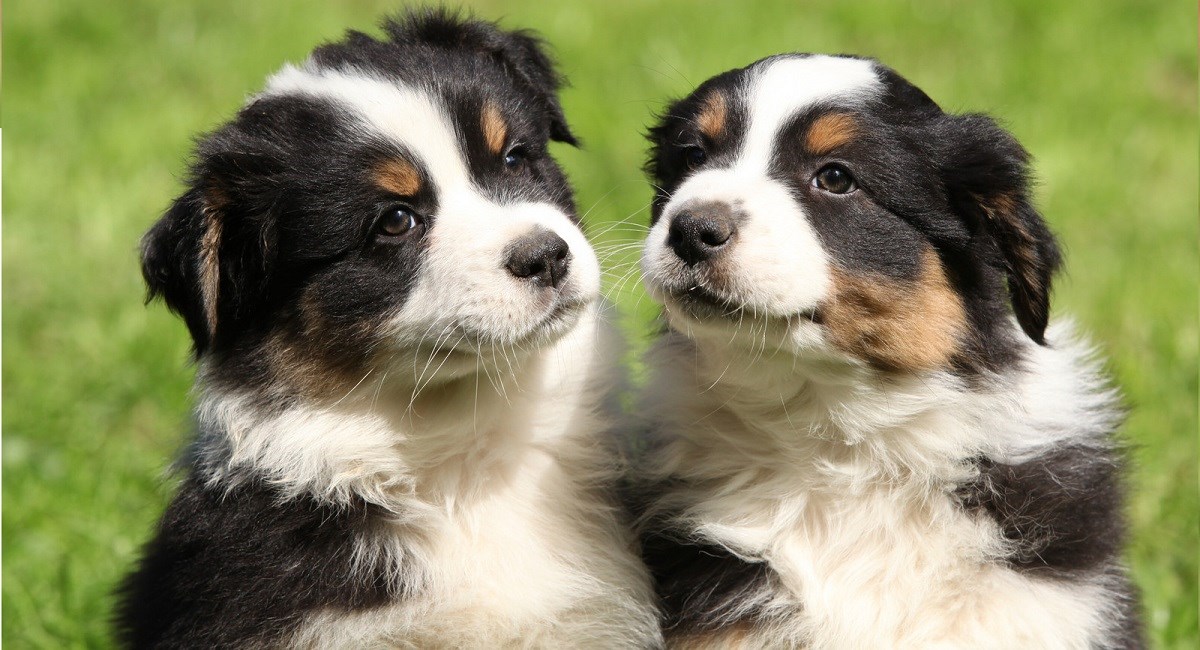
842	480
501	531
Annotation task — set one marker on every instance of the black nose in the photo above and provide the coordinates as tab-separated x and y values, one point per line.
540	256
698	232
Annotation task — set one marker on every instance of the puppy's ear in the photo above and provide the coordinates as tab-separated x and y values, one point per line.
659	167
208	258
519	52
986	172
180	263
524	54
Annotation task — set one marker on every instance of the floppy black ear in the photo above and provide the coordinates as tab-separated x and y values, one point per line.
659	167
987	175
520	52
180	264
209	256
524	53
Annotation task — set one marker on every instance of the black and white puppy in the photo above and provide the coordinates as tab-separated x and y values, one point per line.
402	369
855	443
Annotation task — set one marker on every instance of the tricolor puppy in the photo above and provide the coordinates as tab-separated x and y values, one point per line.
401	366
864	435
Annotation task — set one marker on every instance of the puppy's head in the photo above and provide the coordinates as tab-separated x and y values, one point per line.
834	202
386	196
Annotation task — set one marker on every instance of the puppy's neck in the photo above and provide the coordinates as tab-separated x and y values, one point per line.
749	378
813	409
431	439
774	409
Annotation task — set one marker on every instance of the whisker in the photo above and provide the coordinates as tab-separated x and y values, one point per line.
355	387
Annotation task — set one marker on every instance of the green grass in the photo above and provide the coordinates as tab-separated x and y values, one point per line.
103	98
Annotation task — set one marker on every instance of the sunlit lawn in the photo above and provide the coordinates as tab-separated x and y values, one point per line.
103	98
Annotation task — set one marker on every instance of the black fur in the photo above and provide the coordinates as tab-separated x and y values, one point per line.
240	567
986	173
266	179
862	229
676	129
425	35
1061	510
702	587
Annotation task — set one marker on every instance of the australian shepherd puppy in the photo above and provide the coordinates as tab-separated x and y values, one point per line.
863	434
402	372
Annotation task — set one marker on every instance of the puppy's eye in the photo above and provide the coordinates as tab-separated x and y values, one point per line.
835	179
398	222
694	156
515	158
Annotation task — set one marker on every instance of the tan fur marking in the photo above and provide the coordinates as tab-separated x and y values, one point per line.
495	129
897	325
210	263
315	373
829	132
398	177
1001	204
1002	208
711	119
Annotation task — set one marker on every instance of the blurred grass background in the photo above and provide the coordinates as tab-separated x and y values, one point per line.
103	98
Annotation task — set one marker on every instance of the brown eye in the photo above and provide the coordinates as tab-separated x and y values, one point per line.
398	222
515	158
694	156
835	179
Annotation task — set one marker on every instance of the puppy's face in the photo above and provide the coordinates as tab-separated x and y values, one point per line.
825	204
384	198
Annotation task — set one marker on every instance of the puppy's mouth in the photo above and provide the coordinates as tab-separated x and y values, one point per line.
555	321
704	304
564	311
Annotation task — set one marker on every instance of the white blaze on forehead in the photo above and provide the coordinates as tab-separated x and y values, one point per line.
788	85
403	114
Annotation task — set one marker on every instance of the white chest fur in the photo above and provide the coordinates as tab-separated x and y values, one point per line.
500	532
845	487
899	566
516	570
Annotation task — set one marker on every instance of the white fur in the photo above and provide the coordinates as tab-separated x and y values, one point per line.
498	528
409	114
786	85
842	480
481	430
775	246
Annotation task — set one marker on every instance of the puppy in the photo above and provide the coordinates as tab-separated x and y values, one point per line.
401	366
863	435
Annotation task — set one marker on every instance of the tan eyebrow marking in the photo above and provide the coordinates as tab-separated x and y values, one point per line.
711	119
495	129
398	177
829	132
